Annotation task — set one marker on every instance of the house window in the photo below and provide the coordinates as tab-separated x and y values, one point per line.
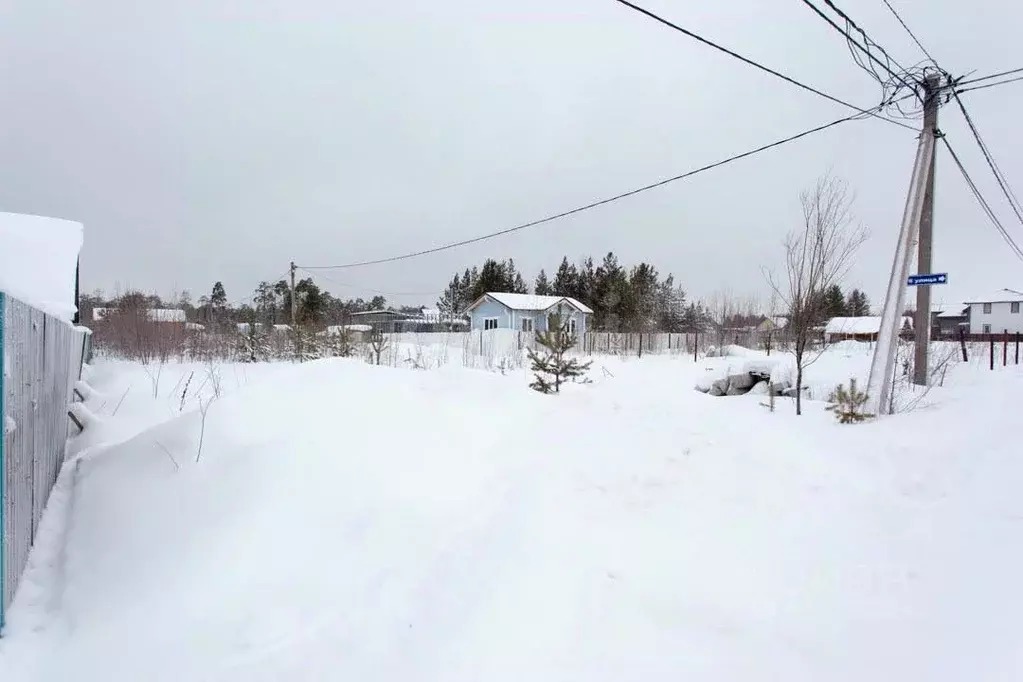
1014	307
986	329
490	323
571	325
987	308
527	324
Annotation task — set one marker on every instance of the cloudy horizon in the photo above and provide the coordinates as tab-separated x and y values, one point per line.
219	140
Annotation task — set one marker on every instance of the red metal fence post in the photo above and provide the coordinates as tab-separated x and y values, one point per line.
1005	348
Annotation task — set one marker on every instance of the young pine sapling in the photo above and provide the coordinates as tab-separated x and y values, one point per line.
848	404
550	365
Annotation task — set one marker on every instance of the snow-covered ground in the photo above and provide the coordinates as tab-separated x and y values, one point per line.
371	523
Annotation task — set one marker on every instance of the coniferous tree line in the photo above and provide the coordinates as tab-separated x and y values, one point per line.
269	304
837	304
623	298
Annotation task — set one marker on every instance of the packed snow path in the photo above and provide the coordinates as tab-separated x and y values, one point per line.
349	522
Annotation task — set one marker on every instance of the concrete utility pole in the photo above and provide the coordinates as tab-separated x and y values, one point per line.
921	370
882	369
294	300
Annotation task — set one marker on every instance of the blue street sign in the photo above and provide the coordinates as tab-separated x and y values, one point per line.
927	280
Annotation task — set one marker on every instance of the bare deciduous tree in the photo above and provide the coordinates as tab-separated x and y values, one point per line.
817	255
378	343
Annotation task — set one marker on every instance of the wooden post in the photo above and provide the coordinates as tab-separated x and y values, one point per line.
962	343
1017	348
696	345
641	345
1005	348
991	341
481	343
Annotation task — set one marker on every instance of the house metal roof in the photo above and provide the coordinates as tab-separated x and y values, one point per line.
1002	296
532	302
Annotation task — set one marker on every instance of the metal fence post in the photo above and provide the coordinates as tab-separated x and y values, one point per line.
991	343
962	343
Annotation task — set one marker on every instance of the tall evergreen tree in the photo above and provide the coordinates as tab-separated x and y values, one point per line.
857	304
610	297
542	287
218	299
519	284
266	303
586	282
493	277
671	301
639	312
452	302
834	303
566	279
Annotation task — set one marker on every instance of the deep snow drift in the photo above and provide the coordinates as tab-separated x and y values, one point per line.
352	522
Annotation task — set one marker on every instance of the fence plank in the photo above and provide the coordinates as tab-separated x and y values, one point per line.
41	358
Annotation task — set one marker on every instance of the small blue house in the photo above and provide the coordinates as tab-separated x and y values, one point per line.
527	313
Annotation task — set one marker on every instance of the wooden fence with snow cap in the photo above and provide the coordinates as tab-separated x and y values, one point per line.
41	358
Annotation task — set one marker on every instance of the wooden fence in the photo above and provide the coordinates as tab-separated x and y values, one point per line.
41	357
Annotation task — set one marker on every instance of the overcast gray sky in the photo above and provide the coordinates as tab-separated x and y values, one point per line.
218	139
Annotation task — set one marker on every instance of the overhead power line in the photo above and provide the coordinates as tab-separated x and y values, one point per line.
990	85
751	62
595	204
994	75
374	291
1013	246
864	48
1003	183
910	32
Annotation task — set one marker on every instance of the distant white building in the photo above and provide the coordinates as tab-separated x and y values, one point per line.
996	313
176	315
859	328
246	328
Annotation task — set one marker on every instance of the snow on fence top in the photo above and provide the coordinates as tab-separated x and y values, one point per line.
38	258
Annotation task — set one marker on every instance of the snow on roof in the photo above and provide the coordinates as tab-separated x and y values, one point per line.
38	258
857	325
359	327
375	312
953	312
533	302
1002	296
